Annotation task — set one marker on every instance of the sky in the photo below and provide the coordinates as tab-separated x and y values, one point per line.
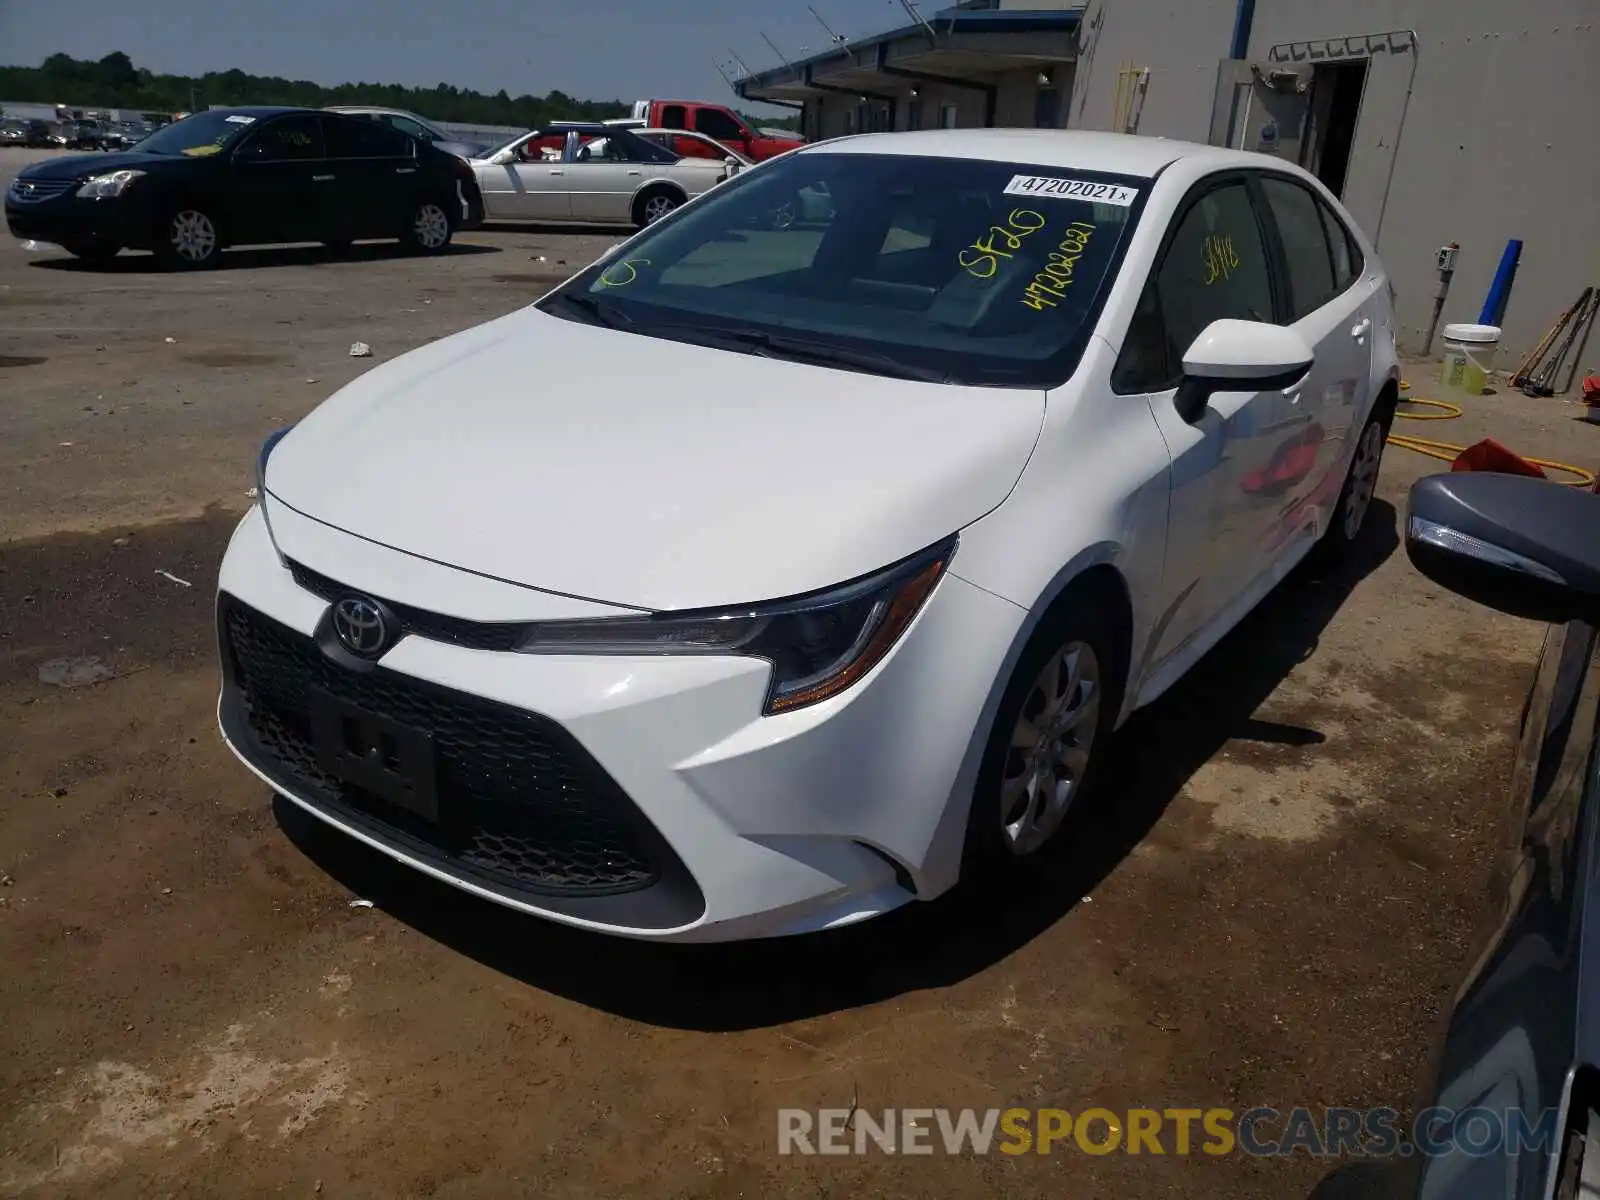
590	49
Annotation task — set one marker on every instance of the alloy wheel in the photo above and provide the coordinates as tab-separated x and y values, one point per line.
193	236
1363	479
657	207
431	227
1050	746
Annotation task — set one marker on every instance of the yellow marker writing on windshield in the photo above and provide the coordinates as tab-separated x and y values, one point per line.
1046	288
982	259
631	265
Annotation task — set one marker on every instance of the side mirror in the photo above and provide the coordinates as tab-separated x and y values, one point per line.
1240	356
1523	546
502	157
733	165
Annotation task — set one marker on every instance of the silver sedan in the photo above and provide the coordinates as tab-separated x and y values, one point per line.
590	174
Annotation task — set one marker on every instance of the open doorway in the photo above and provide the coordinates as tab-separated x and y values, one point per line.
1336	90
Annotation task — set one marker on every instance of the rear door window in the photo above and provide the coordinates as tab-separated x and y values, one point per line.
364	139
1347	259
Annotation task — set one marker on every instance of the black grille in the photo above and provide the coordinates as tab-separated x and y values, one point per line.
473	635
519	799
29	190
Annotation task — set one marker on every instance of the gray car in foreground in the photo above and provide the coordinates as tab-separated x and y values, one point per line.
1513	1112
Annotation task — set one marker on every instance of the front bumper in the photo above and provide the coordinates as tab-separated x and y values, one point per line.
638	796
66	220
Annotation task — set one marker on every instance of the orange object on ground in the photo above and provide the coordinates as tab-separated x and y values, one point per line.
1490	455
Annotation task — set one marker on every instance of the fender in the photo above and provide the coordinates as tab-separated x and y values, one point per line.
941	865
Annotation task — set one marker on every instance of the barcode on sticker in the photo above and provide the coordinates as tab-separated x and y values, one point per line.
1071	189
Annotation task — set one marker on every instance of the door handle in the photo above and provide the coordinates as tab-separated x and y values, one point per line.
321	178
1360	331
633	171
556	171
405	170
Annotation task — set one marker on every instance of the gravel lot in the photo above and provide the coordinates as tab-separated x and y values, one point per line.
1273	908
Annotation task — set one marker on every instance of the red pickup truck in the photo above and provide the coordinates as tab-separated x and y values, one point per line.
715	121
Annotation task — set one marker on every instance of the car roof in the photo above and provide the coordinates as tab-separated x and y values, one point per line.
1083	150
257	110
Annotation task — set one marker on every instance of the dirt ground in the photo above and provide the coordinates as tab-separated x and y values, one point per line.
1273	907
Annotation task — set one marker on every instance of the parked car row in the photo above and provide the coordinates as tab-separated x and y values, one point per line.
17	131
74	134
252	175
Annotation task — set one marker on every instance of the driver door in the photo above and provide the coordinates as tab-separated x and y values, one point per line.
528	188
1225	494
287	185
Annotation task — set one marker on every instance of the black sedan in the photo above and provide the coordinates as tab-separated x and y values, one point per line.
1514	1110
247	176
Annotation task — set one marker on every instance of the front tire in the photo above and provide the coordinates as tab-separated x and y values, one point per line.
428	227
1047	740
188	239
1360	484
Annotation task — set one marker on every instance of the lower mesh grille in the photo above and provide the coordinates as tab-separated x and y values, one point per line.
518	797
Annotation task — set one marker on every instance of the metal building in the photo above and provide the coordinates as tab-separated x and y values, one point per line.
979	63
1437	121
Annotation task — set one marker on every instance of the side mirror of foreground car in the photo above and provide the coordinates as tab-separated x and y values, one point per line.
1240	356
1524	546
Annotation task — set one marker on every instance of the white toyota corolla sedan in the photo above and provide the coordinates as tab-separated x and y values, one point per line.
818	559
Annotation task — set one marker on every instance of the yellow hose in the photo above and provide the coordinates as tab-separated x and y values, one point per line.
1448	451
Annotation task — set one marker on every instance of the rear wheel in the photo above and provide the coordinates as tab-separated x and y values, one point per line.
428	229
652	206
1360	484
188	239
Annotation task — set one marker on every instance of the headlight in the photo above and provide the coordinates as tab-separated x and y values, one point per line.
818	645
102	187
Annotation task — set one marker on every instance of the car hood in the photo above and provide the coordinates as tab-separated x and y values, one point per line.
638	471
77	166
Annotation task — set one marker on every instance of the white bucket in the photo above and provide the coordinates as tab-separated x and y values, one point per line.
1468	356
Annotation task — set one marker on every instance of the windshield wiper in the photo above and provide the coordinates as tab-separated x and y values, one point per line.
595	311
823	354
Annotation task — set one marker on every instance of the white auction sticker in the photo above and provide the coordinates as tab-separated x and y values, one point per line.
240	119
1072	189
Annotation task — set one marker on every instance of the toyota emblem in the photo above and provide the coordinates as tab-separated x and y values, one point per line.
361	626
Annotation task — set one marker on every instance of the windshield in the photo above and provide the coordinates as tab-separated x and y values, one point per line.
204	133
964	271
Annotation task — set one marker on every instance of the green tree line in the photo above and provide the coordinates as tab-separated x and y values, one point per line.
114	82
